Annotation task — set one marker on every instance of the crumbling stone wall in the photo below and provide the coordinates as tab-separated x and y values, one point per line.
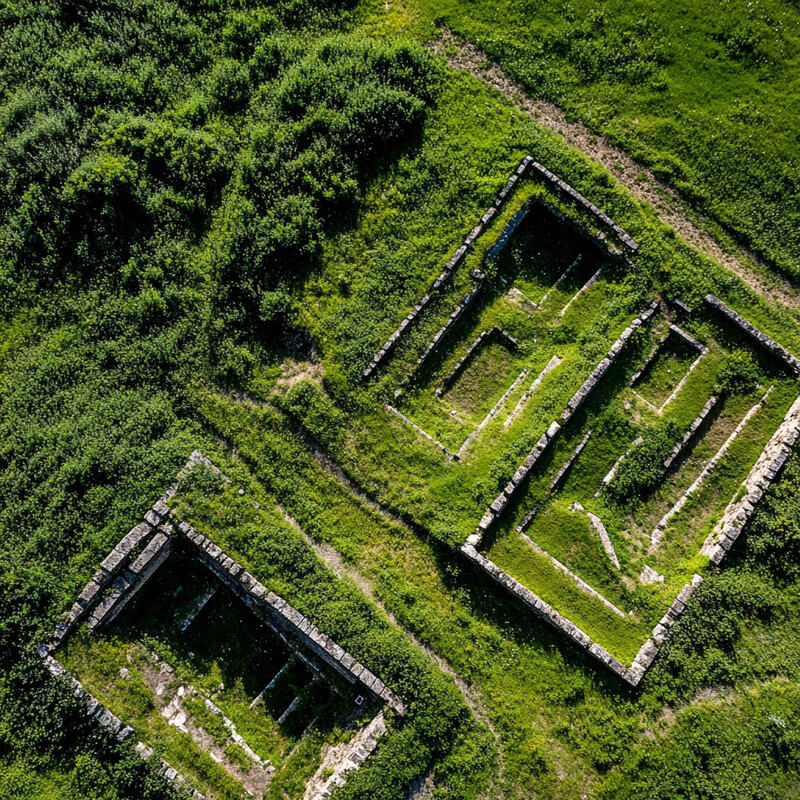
449	268
754	333
127	584
764	471
566	189
448	326
344	758
493	333
106	719
647	652
392	410
283	616
498	505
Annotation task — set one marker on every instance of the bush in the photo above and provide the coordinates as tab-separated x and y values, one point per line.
642	469
739	374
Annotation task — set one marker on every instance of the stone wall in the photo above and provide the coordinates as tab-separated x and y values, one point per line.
456	314
648	651
597	240
509	230
658	531
566	189
128	583
439	336
562	473
493	411
449	268
498	505
343	759
764	471
754	333
281	615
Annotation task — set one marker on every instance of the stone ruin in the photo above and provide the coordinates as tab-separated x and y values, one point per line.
735	515
450	266
701	349
498	505
553	180
136	558
722	538
494	334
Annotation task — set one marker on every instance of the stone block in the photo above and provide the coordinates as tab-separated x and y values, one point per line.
89	594
367	678
113	561
685	593
552	430
357	668
486	521
499	504
519	475
161	509
125	733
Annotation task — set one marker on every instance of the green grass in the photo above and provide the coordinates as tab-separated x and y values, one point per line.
143	262
664	372
691	89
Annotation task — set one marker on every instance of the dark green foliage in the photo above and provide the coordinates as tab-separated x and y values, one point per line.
642	468
739	374
315	411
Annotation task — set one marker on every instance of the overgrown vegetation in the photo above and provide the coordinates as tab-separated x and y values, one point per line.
643	467
203	203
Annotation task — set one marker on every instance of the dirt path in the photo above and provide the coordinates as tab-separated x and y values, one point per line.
637	179
333	558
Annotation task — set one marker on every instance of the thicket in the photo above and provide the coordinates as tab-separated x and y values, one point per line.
168	172
642	468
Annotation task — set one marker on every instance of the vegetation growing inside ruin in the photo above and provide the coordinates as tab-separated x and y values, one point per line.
214	214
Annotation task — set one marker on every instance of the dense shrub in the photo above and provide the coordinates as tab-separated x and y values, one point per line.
641	469
739	374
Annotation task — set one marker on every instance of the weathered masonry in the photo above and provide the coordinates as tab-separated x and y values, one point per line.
457	258
725	533
137	557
